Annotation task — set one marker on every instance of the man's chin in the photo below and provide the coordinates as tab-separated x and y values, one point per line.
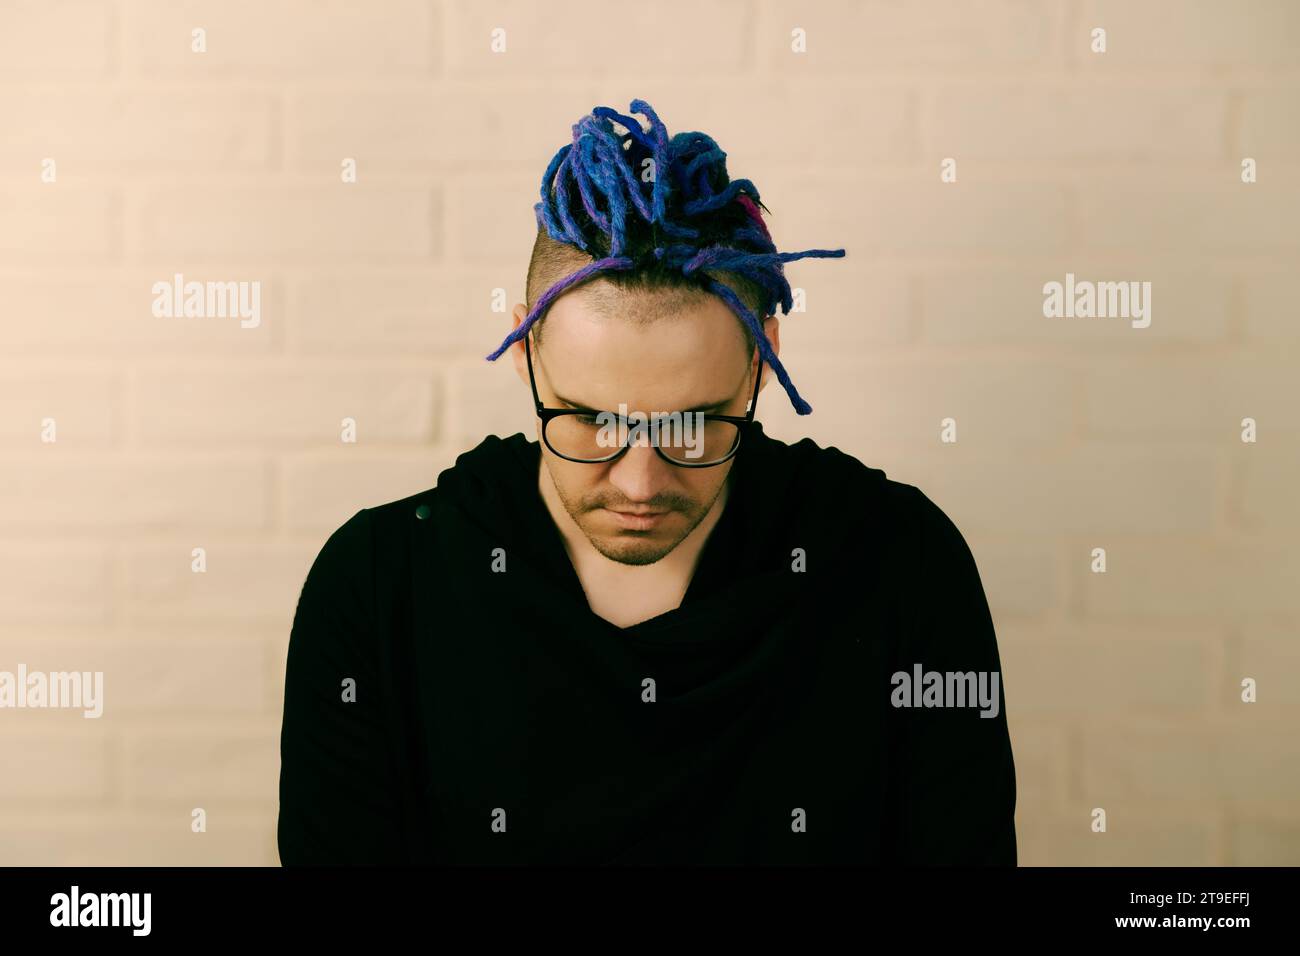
627	546
631	549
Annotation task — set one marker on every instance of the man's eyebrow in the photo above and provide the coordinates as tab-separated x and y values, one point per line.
564	401
706	409
709	408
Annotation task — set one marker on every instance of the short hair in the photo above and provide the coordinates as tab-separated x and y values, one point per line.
693	228
552	261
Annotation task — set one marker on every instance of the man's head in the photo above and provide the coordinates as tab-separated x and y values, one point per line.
649	347
658	281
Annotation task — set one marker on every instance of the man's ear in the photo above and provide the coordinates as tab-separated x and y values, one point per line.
772	329
517	354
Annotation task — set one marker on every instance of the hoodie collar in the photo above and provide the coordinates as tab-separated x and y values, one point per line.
493	487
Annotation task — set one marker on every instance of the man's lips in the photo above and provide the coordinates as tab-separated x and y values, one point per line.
636	520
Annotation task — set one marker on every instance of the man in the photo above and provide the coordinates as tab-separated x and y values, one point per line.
654	634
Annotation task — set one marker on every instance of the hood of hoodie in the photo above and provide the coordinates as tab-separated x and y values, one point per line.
776	504
747	625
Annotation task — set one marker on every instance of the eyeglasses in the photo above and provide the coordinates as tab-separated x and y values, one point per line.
585	435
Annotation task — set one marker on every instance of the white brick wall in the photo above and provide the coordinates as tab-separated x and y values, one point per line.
173	434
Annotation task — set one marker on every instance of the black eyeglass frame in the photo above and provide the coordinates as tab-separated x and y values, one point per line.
742	423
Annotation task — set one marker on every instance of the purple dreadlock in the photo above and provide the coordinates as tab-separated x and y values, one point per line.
690	189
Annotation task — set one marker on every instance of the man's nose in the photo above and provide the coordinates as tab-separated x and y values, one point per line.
640	473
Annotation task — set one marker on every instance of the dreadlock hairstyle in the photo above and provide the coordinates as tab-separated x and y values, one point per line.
692	222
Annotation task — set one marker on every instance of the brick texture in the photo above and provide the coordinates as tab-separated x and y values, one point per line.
380	298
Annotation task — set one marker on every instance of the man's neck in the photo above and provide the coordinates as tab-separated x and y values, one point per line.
626	594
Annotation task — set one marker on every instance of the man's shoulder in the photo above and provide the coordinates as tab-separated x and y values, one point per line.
834	485
388	516
831	476
475	474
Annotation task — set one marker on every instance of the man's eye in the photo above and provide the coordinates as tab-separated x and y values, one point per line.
587	419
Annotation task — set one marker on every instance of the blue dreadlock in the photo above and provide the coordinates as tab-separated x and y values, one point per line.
689	183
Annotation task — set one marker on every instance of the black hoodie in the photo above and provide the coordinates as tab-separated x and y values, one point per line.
449	702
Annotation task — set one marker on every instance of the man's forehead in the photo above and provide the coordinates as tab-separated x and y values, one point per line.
640	302
658	364
668	324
